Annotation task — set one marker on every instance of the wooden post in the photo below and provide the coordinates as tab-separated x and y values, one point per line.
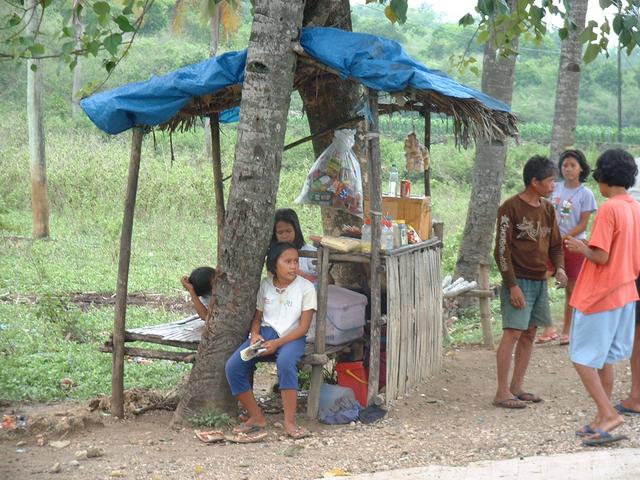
427	143
375	197
313	402
117	368
485	310
218	186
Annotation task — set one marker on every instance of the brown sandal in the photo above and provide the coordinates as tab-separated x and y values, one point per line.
210	436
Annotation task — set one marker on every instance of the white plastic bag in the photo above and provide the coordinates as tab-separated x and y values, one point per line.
335	179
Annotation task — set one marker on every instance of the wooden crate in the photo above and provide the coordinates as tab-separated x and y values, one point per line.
415	211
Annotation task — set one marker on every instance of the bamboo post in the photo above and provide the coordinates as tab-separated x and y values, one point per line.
485	309
117	368
427	143
218	186
375	196
313	402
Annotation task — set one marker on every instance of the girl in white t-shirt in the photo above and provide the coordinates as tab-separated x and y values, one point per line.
285	305
286	228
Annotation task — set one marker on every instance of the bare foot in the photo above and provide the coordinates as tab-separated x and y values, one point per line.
250	425
608	423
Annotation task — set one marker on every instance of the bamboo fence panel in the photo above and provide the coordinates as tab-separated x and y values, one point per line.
414	317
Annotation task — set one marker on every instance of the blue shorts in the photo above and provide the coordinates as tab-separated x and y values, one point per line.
603	337
536	311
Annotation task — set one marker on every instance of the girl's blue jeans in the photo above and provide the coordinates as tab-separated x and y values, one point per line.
286	358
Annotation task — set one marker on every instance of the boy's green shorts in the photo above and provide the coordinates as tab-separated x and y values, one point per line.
536	311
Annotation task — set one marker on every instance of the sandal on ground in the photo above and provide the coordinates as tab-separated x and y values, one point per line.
209	436
246	437
248	429
512	403
564	339
298	433
528	397
626	411
547	338
585	431
602	437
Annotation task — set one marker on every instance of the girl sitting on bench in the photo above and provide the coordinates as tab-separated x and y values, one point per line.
285	306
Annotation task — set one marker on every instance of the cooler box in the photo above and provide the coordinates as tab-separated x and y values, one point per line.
345	316
353	375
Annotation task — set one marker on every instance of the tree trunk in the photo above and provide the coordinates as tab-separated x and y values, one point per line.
214	43
563	132
38	166
498	74
266	95
327	101
76	111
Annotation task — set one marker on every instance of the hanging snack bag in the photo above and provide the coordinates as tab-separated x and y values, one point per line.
335	179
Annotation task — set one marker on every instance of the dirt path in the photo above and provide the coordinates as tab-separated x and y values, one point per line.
449	421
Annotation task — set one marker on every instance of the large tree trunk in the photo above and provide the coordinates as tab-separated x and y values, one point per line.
266	94
563	133
327	101
498	74
39	195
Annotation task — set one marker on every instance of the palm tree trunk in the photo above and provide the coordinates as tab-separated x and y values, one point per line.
498	74
563	132
266	95
38	166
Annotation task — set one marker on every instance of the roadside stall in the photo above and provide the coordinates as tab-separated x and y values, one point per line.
411	273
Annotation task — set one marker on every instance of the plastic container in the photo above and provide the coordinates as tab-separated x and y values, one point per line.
330	393
345	316
354	376
394	180
386	237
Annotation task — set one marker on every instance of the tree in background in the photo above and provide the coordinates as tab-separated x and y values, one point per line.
266	94
498	74
563	132
78	27
38	164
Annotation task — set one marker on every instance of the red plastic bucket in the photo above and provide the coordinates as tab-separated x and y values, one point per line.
354	376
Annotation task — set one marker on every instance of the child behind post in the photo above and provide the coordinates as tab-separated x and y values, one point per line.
199	284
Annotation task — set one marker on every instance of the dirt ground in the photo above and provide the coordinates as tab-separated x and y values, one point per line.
448	421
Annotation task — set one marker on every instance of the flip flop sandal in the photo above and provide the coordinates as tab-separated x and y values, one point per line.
546	338
564	339
244	428
601	438
511	403
211	436
626	411
298	433
528	397
585	431
246	438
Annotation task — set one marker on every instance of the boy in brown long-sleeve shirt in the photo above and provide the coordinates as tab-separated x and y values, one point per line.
527	237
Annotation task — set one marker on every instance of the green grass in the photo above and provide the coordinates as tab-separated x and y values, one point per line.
42	344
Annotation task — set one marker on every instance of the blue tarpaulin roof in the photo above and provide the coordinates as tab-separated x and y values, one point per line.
376	62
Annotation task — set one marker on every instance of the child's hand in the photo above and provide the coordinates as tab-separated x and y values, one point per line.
186	283
517	297
561	278
255	338
271	347
575	245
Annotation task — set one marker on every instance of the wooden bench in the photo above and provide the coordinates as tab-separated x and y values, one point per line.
186	333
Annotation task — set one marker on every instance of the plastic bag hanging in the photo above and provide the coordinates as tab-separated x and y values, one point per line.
335	179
